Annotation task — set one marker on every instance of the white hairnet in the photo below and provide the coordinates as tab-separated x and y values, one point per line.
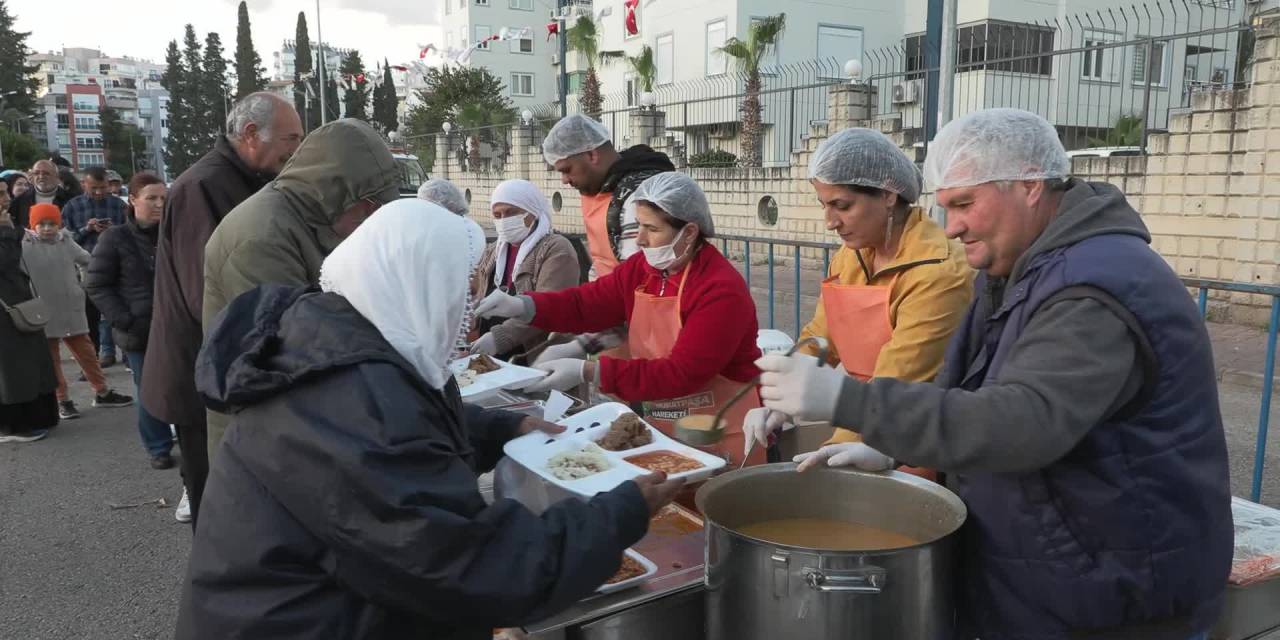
995	145
444	193
680	197
573	135
866	158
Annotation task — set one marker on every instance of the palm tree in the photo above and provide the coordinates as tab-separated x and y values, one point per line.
584	38
644	68
762	37
1127	132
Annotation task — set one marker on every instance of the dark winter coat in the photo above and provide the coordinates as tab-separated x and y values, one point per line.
344	502
197	202
26	371
20	207
121	282
634	166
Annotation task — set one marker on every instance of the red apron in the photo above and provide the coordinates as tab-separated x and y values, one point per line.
858	326
655	325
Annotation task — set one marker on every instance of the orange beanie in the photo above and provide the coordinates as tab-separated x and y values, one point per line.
45	212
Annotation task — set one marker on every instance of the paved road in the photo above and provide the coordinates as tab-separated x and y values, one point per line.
72	567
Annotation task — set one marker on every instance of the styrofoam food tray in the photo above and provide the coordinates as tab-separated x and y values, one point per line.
509	376
533	450
649	569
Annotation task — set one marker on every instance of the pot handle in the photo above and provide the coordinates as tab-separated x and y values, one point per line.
868	580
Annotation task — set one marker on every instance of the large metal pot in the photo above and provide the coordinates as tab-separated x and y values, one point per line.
758	589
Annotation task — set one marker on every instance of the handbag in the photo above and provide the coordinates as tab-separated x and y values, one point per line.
30	316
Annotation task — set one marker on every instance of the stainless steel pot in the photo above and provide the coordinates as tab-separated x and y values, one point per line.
758	589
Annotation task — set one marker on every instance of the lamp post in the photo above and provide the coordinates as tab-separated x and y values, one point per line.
527	117
320	37
853	69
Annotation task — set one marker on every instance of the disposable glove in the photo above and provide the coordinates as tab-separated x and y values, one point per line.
485	345
500	304
570	350
757	426
799	387
563	375
847	454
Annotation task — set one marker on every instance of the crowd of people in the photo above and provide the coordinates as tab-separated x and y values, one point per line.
291	321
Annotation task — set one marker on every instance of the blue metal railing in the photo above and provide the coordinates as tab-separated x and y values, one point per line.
1203	286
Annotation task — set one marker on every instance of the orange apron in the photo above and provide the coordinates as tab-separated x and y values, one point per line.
655	325
858	326
595	214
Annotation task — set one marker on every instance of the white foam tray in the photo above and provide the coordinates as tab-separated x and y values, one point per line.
649	569
532	451
510	376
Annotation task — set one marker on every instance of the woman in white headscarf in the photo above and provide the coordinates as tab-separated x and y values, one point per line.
343	502
528	256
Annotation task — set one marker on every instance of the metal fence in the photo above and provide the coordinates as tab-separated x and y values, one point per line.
779	272
1104	78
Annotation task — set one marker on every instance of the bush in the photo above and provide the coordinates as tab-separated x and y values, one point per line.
716	158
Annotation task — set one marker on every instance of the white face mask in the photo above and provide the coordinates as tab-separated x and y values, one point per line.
661	258
512	229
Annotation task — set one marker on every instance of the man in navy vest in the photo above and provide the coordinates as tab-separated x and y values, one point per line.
1076	413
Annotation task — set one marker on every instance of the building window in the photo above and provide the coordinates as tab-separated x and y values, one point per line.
462	37
522	84
64	121
715	61
1005	46
522	5
448	39
914	46
1157	63
664	59
482	3
1097	63
522	45
482	37
86	124
840	44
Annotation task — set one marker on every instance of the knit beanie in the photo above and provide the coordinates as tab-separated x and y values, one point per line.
45	212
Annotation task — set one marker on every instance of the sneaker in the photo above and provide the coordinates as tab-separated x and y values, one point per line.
162	461
112	399
82	378
24	436
107	360
183	513
67	410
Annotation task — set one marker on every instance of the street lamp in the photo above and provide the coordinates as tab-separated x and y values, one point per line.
527	117
648	100
853	69
447	127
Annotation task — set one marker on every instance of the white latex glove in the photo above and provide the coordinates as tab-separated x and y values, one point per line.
501	305
572	350
486	345
855	454
757	426
563	375
797	386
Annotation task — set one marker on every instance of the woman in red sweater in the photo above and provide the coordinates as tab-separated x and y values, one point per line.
691	320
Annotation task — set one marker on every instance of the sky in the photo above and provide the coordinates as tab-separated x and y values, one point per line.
143	28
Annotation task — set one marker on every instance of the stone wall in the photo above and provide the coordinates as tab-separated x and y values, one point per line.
1209	189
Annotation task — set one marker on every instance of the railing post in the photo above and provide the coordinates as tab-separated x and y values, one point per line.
1264	417
1204	303
791	130
1146	95
797	292
772	290
746	251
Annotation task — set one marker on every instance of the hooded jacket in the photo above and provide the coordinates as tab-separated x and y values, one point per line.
283	233
635	165
55	269
344	503
1077	416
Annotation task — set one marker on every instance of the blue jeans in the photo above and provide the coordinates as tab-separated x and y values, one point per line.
156	435
106	342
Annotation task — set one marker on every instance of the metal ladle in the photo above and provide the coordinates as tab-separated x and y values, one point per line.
701	430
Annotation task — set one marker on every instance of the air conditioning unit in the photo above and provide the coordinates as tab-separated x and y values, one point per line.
555	58
906	92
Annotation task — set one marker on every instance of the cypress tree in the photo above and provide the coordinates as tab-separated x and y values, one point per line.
179	143
249	72
213	92
308	108
386	105
17	84
355	87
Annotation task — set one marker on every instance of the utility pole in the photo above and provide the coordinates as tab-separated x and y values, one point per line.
563	19
932	67
947	64
320	36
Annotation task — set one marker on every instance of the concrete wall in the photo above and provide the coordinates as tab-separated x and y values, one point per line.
1209	190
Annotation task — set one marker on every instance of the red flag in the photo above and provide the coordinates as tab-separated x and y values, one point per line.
425	50
630	21
553	28
360	78
399	67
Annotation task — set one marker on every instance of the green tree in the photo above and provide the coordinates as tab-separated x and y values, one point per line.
214	93
446	92
385	104
17	85
331	104
584	38
355	85
643	66
125	146
762	37
249	71
20	150
306	95
177	80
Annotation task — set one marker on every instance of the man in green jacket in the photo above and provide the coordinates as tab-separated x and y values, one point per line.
339	176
